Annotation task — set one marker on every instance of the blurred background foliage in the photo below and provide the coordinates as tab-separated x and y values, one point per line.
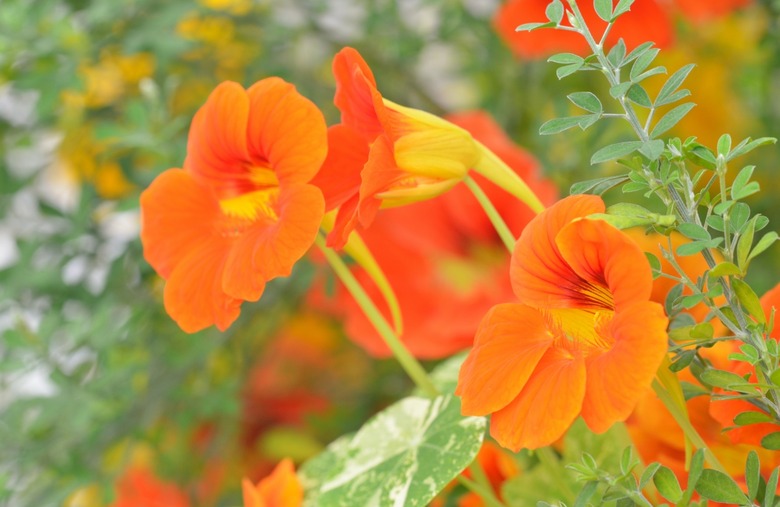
96	97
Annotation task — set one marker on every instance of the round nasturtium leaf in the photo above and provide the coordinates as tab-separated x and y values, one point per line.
403	456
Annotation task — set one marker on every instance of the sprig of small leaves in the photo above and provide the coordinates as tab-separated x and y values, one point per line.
719	225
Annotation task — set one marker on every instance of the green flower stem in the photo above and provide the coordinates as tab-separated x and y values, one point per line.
685	424
495	218
407	361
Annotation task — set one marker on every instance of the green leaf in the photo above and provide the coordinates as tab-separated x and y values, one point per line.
702	156
765	242
720	378
603	9
751	417
671	118
566	58
554	12
652	149
739	216
665	96
724	145
530	27
622	7
747	146
643	62
719	487
557	125
596	186
587	492
638	51
771	441
745	244
667	484
404	455
567	70
620	90
725	269
742	186
655	264
587	101
638	95
694	472
697	246
752	474
617	53
748	299
614	151
648	474
652	72
693	231
771	487
445	375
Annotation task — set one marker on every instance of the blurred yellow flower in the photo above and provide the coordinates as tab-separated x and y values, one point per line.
84	160
213	30
113	76
237	7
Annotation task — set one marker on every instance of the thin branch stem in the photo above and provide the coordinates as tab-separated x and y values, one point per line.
495	218
407	361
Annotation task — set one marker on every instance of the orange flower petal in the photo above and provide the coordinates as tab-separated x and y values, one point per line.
357	97
339	177
270	249
546	406
540	275
286	130
509	343
346	222
217	146
378	174
603	256
280	489
193	295
618	378
169	207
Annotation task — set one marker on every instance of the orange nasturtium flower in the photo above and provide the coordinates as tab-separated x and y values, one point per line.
241	212
280	489
385	155
584	339
398	155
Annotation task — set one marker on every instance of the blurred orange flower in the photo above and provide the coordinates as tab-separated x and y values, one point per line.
139	487
584	339
726	410
240	212
647	20
657	437
443	249
385	154
280	489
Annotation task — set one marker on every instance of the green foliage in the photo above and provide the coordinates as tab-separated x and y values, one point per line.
405	454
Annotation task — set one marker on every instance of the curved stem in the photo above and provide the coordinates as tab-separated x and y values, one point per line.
690	432
495	218
407	361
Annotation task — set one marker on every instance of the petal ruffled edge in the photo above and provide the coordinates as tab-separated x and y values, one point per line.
546	407
619	377
510	341
286	129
